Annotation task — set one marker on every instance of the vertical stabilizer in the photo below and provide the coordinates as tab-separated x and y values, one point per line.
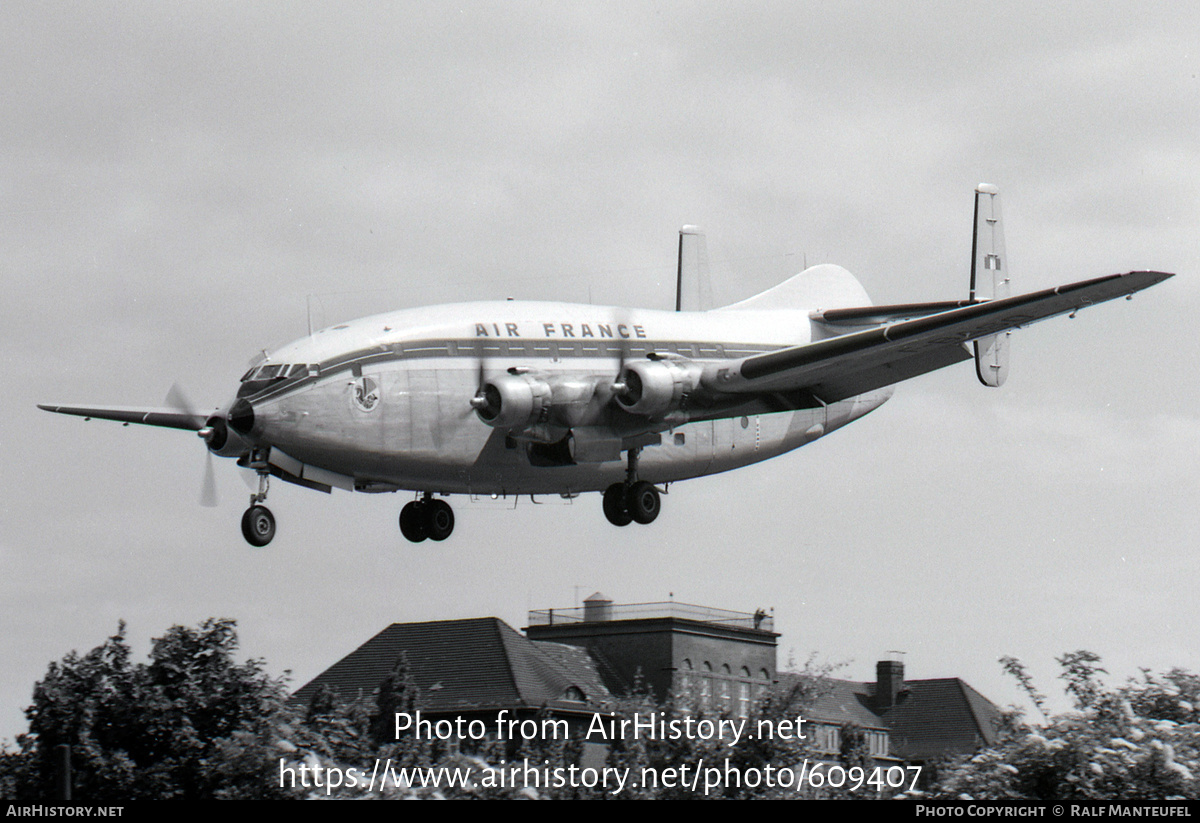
989	281
693	290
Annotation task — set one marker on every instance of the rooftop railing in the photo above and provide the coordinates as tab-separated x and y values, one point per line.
602	612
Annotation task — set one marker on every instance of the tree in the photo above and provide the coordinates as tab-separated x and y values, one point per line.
1137	742
192	723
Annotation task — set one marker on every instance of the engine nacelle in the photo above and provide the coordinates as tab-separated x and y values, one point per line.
222	439
514	401
653	387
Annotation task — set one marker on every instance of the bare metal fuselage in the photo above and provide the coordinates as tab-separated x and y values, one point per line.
388	406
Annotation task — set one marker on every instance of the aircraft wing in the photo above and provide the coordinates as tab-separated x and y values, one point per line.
168	417
841	367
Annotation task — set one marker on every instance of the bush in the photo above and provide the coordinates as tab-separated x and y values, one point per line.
190	724
1138	742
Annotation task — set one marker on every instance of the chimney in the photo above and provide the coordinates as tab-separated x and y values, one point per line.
889	682
597	609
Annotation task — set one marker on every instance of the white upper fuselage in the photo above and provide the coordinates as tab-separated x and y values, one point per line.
388	404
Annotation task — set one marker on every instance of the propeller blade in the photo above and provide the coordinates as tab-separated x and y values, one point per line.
208	491
477	400
178	399
619	386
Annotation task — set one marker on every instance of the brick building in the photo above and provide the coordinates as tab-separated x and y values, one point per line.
571	664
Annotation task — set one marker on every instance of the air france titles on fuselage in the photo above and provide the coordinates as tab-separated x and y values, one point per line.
561	330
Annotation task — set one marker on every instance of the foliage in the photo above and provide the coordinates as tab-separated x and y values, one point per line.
1139	742
855	748
191	723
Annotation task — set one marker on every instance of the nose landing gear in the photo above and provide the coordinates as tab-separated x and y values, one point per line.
632	501
426	518
258	524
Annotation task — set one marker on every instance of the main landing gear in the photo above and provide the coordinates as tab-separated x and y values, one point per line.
426	518
632	501
258	524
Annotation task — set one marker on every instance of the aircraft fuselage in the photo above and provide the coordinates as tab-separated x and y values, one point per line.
388	402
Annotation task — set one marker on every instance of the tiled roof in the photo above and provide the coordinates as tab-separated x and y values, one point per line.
458	665
842	701
930	718
940	716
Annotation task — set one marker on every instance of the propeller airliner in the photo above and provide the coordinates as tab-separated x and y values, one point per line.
513	398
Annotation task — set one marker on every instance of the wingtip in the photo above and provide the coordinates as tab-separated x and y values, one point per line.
1154	276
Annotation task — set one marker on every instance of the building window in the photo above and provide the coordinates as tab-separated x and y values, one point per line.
828	739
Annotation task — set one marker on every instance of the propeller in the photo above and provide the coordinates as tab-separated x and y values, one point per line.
483	399
621	385
479	399
178	400
208	491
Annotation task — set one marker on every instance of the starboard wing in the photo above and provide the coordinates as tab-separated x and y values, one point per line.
857	362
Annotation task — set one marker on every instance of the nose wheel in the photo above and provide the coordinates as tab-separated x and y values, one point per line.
258	524
632	501
426	518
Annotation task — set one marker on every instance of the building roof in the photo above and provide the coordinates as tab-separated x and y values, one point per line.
939	717
463	665
930	718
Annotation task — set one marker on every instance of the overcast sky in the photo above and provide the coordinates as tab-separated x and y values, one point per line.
178	179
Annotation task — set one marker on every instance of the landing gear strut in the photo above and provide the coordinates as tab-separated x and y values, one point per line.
426	518
258	524
632	501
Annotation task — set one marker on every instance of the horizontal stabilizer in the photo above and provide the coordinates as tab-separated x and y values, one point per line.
879	315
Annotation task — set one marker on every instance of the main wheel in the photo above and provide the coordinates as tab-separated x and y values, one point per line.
439	519
413	523
258	525
643	502
614	505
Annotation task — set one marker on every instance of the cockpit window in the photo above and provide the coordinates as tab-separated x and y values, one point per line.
280	371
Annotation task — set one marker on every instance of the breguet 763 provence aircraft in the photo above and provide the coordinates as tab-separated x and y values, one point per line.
512	398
